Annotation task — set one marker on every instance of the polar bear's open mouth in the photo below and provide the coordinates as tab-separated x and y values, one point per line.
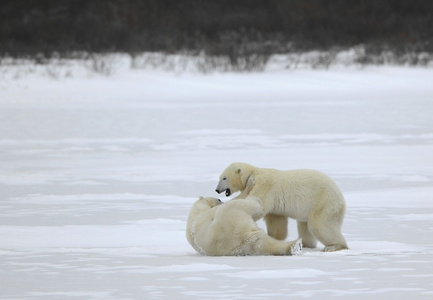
228	192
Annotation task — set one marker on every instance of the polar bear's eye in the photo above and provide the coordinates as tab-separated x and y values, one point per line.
224	178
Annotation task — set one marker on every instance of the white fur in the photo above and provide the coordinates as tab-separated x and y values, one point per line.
219	229
308	196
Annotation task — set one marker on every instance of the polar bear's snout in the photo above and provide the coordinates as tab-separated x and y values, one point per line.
228	191
223	187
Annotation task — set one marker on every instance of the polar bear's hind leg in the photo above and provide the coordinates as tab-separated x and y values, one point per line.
326	227
263	244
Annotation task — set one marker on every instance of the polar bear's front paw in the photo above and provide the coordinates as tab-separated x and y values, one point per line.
296	247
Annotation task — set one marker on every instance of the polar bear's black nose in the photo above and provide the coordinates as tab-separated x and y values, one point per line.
218	191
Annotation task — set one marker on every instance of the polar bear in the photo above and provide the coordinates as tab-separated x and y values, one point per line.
217	229
308	196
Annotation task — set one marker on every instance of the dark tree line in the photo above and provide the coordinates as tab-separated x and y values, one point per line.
214	26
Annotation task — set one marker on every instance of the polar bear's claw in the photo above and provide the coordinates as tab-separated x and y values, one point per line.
296	248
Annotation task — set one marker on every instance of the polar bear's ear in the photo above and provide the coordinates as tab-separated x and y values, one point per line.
239	170
200	198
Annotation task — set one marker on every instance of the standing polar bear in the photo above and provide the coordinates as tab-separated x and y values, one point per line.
217	229
308	196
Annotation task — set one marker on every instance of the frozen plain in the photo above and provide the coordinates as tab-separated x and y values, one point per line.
98	174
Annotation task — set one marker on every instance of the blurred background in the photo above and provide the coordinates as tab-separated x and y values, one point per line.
232	28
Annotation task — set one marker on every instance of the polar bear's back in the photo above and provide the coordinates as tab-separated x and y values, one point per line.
294	192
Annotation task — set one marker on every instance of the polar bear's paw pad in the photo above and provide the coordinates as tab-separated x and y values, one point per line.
296	247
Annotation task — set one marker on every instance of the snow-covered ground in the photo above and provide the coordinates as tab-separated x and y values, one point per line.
97	175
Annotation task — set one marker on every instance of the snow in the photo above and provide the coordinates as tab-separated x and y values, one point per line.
98	174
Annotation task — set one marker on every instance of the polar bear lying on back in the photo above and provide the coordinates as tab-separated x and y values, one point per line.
217	229
308	196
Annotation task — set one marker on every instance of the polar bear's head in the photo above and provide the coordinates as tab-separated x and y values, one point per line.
204	204
210	201
234	178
